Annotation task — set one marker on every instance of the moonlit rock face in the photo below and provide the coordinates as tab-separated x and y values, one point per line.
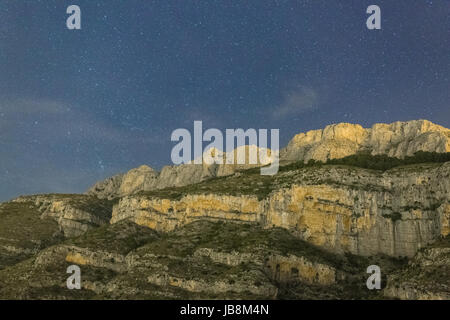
398	139
139	179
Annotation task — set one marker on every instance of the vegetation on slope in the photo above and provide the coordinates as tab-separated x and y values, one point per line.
175	254
101	208
23	232
384	162
121	237
251	182
375	162
427	275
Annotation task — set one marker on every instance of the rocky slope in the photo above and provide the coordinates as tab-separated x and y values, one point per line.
75	214
23	233
145	178
343	209
398	139
426	277
200	260
308	232
31	223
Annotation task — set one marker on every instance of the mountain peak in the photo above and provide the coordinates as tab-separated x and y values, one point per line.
397	139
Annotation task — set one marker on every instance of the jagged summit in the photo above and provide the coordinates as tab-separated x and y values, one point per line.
397	139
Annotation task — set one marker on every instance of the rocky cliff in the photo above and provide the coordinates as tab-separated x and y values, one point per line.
201	260
398	139
145	178
75	214
308	232
343	209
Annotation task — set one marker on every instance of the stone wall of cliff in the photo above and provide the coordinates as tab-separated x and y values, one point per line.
75	214
398	139
360	211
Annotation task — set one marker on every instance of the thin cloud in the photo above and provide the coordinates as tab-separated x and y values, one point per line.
55	146
56	121
299	100
30	107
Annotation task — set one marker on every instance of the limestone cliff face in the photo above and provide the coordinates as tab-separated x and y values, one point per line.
364	212
240	286
345	210
166	215
397	139
427	276
281	268
74	214
82	256
358	221
108	188
293	268
281	230
145	178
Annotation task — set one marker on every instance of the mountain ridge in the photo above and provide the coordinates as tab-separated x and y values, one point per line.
397	139
308	232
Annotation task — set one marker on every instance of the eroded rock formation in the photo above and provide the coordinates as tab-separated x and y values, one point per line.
343	209
398	139
245	235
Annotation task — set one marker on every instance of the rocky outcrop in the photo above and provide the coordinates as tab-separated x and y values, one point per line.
280	268
212	270
427	276
233	258
292	268
166	215
202	260
84	256
75	214
145	178
398	139
396	213
220	286
343	209
108	188
228	238
81	257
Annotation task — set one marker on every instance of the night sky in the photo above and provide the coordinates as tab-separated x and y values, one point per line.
77	106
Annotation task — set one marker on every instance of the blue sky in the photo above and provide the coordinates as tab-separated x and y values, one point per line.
78	106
